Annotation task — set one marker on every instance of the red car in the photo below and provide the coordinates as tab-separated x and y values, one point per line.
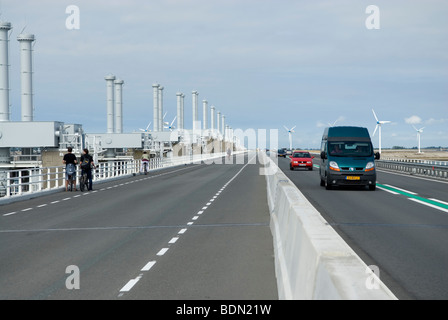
301	159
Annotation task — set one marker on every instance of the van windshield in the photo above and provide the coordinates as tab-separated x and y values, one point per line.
350	149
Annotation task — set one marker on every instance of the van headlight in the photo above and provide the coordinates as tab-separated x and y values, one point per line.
334	166
370	166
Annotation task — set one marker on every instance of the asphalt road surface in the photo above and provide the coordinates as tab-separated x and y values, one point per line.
191	232
402	227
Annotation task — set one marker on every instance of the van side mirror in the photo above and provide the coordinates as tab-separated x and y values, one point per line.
377	156
323	155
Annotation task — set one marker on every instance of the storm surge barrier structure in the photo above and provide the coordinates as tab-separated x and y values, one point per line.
18	184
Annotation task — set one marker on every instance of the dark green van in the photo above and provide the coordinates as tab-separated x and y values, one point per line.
347	158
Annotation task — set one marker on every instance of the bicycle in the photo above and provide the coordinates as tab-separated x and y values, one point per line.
71	177
145	165
84	182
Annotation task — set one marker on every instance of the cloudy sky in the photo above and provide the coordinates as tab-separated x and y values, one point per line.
264	64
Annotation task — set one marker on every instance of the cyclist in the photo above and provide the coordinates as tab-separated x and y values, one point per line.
145	162
70	161
86	165
229	153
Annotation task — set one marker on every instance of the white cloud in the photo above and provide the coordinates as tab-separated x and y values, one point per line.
436	121
413	120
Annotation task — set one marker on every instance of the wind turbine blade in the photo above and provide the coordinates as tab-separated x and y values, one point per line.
286	128
376	128
374	114
173	121
165	115
383	122
148	125
292	129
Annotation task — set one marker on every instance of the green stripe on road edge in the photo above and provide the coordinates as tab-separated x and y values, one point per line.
435	203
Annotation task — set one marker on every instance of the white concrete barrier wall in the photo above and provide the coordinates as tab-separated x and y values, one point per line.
311	260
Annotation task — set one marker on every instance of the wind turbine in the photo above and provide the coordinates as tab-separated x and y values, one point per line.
290	132
341	118
378	125
147	128
170	127
419	131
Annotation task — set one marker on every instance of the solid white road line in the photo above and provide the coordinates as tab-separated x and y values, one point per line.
429	205
440	201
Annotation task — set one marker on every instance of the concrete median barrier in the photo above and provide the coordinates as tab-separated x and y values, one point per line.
311	260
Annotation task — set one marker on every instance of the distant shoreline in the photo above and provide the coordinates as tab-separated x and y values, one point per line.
427	154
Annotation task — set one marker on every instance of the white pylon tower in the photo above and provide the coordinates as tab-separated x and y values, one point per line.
26	71
4	70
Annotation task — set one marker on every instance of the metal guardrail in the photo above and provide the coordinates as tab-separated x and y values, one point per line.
19	182
418	161
438	171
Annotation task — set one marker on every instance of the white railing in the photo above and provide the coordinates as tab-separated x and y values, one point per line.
19	182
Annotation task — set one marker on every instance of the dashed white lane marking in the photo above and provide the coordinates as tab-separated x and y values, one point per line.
94	191
404	190
387	190
148	266
128	286
162	251
173	240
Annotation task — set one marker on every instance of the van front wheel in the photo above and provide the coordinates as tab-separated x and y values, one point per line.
327	185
